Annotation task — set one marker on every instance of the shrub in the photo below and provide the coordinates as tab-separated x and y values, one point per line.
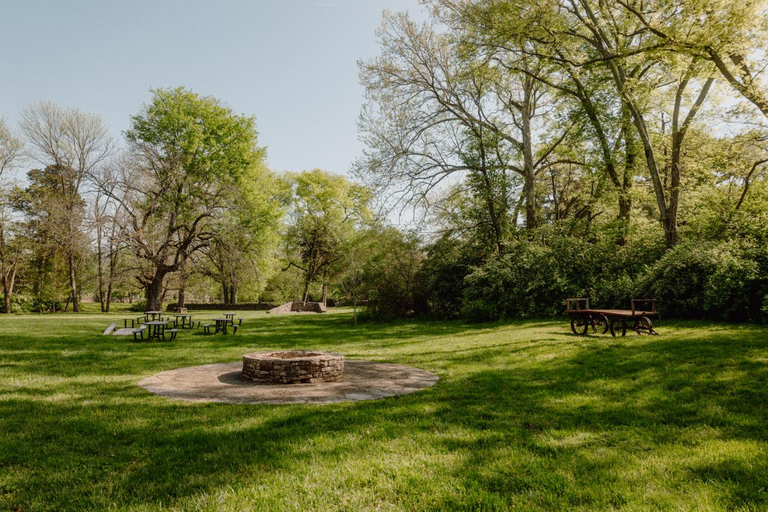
139	306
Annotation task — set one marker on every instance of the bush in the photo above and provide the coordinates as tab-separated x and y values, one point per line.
139	306
725	280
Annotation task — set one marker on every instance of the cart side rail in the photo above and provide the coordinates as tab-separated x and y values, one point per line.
643	303
577	304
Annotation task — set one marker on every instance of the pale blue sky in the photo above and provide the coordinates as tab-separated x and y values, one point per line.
291	63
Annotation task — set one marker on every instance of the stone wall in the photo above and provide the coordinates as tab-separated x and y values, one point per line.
298	307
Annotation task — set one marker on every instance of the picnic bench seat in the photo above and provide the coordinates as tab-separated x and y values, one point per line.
109	329
173	333
206	328
234	328
140	332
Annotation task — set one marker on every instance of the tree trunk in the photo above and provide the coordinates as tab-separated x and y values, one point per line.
225	292
305	296
73	279
153	292
108	299
100	261
630	162
232	294
9	277
325	286
529	188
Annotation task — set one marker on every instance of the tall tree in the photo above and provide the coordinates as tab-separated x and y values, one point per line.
429	98
325	211
187	157
70	143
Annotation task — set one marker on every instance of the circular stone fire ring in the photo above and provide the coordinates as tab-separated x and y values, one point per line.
223	382
292	367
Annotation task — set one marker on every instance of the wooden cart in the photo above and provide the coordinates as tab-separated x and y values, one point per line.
602	320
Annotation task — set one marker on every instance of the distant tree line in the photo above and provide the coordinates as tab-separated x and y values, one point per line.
546	149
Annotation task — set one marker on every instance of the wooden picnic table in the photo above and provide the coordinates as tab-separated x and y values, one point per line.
186	320
230	317
154	314
583	317
156	329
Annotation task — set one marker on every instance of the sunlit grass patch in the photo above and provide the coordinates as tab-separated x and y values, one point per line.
525	415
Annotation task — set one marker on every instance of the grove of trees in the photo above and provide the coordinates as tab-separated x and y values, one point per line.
544	149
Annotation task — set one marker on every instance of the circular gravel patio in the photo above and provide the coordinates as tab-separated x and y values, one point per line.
362	380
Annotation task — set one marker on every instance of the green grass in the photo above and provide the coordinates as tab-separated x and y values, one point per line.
525	415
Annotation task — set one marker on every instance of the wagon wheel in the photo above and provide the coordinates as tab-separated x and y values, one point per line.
643	325
579	324
600	321
618	327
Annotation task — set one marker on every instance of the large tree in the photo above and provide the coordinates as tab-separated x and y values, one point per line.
431	100
70	144
188	156
326	209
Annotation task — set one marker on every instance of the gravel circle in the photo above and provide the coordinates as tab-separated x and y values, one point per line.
362	380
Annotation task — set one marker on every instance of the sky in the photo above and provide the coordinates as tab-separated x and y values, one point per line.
290	63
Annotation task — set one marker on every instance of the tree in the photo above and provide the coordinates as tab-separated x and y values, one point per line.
188	156
730	35
325	210
242	250
430	99
11	148
70	143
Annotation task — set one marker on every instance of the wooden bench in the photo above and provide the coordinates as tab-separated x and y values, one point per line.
173	333
109	329
207	328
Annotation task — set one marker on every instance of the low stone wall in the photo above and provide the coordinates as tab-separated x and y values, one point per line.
311	307
298	307
216	306
283	308
292	367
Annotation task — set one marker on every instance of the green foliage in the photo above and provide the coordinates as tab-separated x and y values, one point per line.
139	306
391	276
725	280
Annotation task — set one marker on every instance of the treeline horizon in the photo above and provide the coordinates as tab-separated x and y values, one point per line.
554	149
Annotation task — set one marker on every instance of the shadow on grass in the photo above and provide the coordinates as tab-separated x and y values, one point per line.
590	427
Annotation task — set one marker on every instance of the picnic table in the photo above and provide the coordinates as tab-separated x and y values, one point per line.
156	329
583	317
221	325
154	314
230	317
186	320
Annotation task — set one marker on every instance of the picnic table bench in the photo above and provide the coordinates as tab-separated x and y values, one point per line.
583	317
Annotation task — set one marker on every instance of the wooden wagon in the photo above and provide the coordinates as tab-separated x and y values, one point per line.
602	320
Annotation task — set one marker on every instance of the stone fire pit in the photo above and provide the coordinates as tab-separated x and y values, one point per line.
292	367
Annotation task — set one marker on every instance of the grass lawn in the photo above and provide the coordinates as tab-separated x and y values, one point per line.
525	415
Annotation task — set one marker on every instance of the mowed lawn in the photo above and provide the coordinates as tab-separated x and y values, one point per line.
525	415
